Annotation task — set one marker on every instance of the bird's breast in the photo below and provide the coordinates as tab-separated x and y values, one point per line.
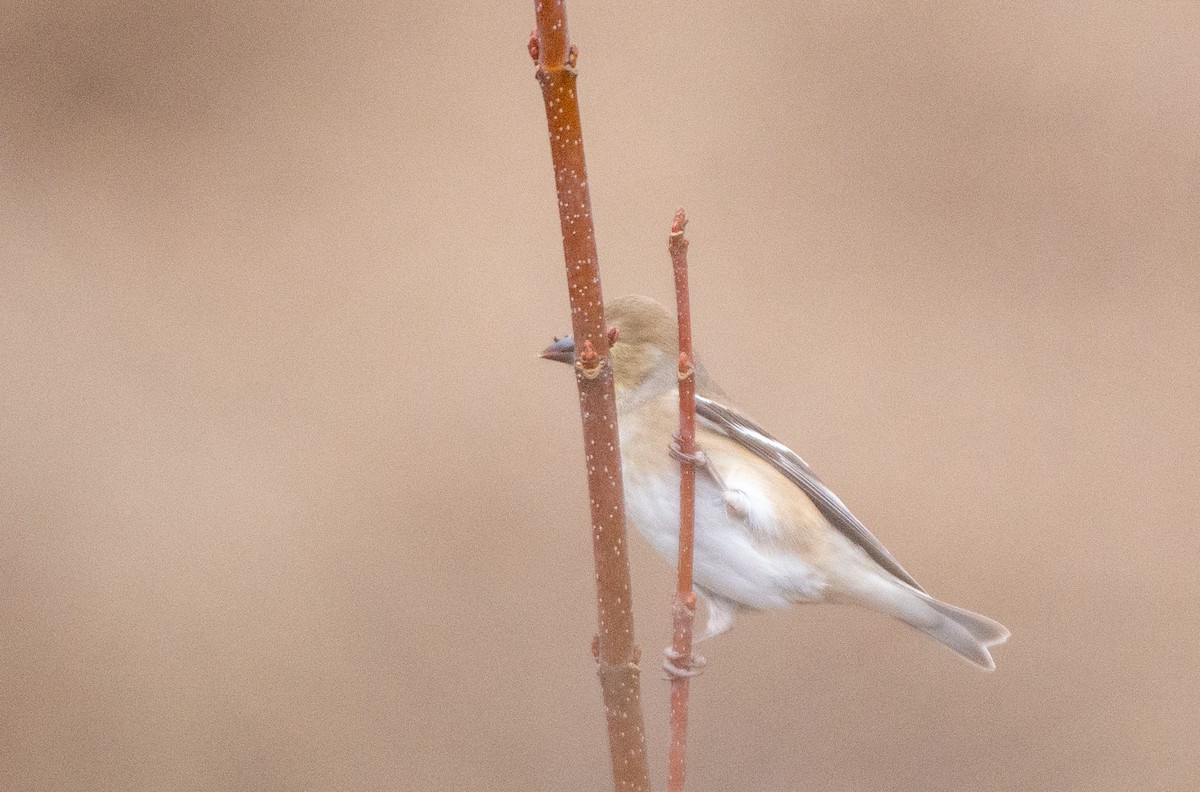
731	558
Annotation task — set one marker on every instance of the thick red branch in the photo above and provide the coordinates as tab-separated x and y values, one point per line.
615	651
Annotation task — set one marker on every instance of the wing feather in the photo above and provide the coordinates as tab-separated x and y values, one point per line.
755	439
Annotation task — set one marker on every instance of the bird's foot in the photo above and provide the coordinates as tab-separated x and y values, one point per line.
676	666
697	457
701	460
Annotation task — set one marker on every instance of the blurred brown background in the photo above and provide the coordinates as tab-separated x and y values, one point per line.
288	502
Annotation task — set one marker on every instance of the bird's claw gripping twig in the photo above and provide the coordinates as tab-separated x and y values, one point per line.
698	458
675	669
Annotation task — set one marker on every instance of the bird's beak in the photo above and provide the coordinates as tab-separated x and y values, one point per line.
562	350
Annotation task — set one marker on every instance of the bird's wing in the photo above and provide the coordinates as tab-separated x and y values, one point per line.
738	427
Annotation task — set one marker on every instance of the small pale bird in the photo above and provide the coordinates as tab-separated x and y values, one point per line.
768	532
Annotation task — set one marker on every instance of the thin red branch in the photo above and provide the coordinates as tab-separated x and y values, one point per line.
614	647
684	609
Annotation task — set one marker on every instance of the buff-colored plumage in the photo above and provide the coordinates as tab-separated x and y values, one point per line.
769	533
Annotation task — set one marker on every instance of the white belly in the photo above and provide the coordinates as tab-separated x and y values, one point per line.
727	560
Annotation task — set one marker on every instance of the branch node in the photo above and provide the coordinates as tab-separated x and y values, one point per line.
685	369
588	362
617	671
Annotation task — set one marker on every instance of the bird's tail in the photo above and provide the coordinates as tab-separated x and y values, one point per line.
967	633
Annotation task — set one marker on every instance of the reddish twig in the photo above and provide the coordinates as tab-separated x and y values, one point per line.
614	648
684	608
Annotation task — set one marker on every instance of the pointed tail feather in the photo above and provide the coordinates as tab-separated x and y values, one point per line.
969	634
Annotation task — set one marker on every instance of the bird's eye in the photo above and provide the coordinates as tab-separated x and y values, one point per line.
557	339
613	334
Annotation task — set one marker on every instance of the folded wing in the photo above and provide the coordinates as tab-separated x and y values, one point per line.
755	439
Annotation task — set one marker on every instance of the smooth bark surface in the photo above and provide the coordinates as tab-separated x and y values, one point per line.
684	608
615	651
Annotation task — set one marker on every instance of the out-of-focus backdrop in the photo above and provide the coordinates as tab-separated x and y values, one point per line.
288	502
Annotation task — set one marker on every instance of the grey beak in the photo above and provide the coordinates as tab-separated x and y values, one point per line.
562	350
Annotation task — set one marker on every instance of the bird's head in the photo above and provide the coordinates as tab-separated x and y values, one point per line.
642	344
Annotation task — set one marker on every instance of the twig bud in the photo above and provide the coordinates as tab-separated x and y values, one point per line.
587	361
